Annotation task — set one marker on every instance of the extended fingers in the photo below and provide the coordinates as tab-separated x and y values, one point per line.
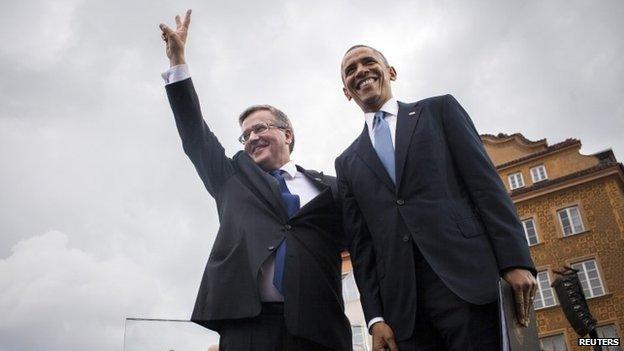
187	18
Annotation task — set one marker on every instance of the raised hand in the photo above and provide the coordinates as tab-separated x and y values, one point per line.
524	286
383	337
176	40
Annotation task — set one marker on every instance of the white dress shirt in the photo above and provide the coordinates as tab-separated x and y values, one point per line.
391	108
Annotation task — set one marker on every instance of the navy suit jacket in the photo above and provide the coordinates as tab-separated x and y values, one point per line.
448	200
253	221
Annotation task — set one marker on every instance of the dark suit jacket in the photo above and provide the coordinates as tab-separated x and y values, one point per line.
449	200
253	221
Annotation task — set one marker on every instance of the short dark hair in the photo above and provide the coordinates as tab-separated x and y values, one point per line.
280	117
385	61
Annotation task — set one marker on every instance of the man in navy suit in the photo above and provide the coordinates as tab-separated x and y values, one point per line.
273	278
433	225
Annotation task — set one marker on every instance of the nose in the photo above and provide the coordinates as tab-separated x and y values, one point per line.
361	70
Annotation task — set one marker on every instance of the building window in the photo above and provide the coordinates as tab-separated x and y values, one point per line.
516	181
590	278
349	289
529	231
544	296
608	331
553	343
359	337
538	173
570	219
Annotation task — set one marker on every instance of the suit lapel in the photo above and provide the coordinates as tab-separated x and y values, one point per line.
367	153
407	119
320	199
265	185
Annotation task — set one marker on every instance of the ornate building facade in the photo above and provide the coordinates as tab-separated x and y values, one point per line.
572	210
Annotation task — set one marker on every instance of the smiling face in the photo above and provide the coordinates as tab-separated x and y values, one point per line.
270	150
366	78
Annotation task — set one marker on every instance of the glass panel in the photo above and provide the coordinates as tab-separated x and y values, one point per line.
582	278
512	182
576	219
545	292
565	222
553	343
529	231
542	172
162	335
608	331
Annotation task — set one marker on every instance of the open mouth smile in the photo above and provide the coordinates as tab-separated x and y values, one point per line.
365	83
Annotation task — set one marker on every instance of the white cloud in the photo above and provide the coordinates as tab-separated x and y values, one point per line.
56	297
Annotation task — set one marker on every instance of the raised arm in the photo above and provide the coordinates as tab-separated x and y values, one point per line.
198	141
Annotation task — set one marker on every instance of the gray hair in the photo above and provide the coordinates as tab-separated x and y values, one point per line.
280	117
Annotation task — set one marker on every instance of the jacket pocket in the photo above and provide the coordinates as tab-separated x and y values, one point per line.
470	227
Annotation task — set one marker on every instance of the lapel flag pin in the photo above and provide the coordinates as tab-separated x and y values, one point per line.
412	113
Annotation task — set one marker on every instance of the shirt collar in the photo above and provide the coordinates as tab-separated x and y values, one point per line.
391	107
290	168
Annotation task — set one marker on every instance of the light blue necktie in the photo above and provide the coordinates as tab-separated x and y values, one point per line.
383	143
292	203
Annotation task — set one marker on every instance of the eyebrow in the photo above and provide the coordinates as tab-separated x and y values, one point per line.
361	59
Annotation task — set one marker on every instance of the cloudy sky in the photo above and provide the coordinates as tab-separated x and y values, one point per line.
102	217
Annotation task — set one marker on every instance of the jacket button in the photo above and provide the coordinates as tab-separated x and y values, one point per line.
406	238
271	248
288	227
400	202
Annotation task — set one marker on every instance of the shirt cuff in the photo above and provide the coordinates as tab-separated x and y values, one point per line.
176	74
373	321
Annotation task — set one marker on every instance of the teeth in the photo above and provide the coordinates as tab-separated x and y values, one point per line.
366	82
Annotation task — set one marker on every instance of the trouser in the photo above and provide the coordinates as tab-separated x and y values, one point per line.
445	322
265	332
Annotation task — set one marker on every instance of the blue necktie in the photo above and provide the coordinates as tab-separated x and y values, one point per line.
292	204
383	144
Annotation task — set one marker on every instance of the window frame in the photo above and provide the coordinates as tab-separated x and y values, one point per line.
535	170
568	212
541	291
526	234
519	179
587	278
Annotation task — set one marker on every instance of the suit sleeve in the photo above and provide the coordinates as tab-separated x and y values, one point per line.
361	249
198	141
487	192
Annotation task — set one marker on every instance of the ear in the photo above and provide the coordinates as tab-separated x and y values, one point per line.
289	136
393	73
346	93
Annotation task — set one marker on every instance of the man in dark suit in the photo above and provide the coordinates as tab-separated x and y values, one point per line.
273	278
433	226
